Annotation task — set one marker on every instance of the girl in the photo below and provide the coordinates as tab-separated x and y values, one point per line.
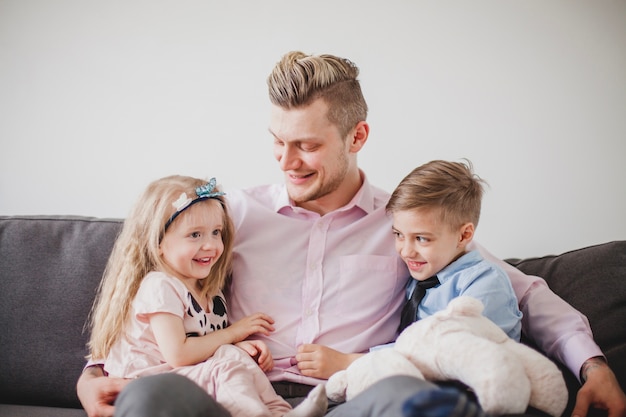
160	305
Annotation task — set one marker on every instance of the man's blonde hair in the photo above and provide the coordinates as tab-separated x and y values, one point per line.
299	79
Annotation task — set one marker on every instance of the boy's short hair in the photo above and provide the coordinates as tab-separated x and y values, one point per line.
451	186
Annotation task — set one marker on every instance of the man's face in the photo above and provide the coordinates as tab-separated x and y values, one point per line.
311	153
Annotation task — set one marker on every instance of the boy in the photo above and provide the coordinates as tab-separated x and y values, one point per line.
435	212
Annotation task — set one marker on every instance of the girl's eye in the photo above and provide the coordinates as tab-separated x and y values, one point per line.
217	232
195	234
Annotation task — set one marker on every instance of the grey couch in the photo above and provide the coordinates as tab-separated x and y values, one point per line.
50	268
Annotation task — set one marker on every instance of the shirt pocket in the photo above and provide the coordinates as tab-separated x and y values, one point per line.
370	285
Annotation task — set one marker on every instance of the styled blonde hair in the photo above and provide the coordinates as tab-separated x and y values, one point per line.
299	79
136	253
451	186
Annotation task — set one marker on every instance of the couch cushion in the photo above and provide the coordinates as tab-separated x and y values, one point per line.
50	268
593	280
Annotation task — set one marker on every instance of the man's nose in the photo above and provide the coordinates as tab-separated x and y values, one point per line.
289	159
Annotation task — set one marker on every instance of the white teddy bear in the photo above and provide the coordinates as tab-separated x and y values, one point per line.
459	343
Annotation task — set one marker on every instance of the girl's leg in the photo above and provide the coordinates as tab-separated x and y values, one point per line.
233	378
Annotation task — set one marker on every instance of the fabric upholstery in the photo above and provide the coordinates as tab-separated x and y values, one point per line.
593	280
50	268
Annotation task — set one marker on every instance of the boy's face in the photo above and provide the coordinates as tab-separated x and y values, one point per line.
425	243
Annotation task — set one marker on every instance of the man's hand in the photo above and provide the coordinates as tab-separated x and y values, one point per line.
321	361
97	392
600	390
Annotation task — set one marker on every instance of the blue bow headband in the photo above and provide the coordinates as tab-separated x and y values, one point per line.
204	192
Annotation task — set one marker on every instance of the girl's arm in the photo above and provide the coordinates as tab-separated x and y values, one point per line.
180	350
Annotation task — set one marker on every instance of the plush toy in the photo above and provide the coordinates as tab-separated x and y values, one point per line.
461	344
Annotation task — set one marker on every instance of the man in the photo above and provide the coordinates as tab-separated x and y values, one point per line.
317	255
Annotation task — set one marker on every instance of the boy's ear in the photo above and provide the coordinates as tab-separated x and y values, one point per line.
467	234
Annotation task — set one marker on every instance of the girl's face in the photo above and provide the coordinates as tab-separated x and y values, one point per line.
425	244
193	242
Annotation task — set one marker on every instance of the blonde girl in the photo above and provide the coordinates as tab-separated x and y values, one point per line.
160	306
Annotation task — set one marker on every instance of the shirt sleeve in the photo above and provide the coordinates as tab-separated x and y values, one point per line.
558	329
159	294
493	289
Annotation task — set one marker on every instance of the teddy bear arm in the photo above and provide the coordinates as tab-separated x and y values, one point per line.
548	389
494	373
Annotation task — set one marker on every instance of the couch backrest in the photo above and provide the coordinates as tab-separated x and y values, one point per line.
50	268
593	280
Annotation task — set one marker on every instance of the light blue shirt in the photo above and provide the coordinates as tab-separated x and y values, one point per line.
473	276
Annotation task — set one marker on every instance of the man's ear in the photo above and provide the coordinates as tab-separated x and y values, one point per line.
466	234
359	136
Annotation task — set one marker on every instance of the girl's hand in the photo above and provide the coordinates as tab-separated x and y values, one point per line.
259	352
180	350
256	323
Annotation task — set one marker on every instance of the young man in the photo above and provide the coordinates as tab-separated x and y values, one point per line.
316	254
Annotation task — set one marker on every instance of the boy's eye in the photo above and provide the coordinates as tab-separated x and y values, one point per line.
421	239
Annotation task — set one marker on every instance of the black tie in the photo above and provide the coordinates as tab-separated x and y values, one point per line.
409	312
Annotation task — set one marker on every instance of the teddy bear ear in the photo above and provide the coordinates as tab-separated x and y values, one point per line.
465	306
336	386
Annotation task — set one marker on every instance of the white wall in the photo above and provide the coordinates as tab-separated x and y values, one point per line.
97	98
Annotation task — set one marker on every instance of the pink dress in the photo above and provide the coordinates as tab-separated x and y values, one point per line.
231	376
